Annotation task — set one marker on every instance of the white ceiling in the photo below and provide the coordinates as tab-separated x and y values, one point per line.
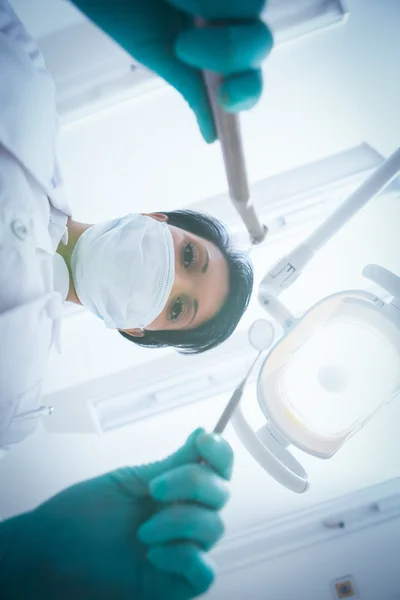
323	95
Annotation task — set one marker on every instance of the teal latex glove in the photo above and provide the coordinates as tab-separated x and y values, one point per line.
160	35
137	533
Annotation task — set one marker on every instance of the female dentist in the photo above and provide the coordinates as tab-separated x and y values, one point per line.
190	288
138	532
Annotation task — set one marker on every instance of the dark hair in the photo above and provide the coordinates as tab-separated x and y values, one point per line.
219	328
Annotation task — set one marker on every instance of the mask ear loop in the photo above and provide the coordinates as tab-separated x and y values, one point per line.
142	331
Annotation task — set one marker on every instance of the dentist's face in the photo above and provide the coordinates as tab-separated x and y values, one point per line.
200	287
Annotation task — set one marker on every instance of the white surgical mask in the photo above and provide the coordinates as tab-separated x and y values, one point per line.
123	270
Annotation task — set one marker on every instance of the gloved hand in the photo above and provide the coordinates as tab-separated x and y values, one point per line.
137	533
160	35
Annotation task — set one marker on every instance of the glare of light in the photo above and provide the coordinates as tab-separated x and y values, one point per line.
342	374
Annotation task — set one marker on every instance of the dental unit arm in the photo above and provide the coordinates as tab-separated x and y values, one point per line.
289	268
268	446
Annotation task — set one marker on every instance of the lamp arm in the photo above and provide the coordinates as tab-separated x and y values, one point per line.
289	268
285	469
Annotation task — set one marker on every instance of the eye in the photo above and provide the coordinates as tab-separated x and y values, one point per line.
177	310
189	255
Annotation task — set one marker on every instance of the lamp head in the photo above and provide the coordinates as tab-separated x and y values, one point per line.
331	373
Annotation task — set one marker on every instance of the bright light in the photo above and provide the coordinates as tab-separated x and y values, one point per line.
339	376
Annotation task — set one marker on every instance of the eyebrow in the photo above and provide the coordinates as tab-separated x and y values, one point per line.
196	308
204	269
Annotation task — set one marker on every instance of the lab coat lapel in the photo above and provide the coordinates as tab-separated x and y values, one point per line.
28	124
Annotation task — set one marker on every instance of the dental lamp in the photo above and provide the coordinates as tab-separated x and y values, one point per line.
334	367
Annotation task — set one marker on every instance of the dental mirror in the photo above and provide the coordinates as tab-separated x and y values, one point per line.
261	336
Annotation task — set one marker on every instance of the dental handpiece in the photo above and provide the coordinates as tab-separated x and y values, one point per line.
229	134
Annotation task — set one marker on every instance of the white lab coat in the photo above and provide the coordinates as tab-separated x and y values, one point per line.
33	217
